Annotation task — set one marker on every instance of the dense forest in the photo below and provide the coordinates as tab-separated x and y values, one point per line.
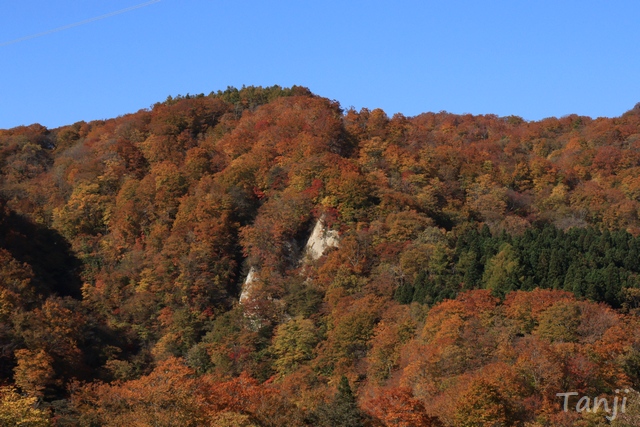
156	269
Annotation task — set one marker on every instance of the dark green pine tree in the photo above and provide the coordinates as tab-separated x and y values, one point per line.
574	280
632	256
404	293
557	269
612	285
470	267
594	282
422	291
621	247
343	411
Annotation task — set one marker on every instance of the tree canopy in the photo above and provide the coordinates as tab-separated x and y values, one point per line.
483	265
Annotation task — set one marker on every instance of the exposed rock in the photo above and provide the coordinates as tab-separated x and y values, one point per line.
246	286
320	240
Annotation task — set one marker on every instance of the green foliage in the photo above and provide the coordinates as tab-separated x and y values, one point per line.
251	97
342	411
589	262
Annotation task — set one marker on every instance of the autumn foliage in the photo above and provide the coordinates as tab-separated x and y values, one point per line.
485	264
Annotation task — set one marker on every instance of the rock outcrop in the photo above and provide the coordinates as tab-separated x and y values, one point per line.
247	285
320	240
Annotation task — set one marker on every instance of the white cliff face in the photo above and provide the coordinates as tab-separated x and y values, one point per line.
246	287
320	240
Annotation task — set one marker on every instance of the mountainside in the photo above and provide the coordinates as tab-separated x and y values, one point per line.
437	270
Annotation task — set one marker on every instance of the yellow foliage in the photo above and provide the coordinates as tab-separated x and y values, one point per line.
20	411
232	419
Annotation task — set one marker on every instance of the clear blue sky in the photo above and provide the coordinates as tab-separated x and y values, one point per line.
530	58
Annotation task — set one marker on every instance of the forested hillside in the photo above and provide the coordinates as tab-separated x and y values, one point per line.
483	265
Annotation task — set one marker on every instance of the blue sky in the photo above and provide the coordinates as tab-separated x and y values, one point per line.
534	59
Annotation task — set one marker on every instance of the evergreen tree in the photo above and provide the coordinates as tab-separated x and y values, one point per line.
404	293
422	291
343	411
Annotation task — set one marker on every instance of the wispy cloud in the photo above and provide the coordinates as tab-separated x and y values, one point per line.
77	24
